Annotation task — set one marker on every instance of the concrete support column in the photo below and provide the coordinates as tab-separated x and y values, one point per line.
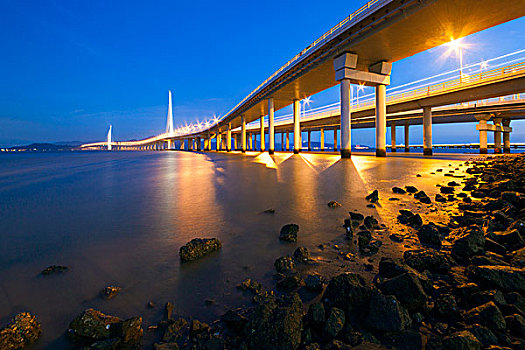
287	141
407	138
381	120
346	119
296	126
335	139
219	140
427	131
262	143
271	126
229	138
170	144
282	141
497	134
243	134
482	127
309	140
393	136
198	144
235	144
250	143
506	136
322	139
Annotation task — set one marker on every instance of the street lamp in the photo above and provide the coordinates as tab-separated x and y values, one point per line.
458	46
360	87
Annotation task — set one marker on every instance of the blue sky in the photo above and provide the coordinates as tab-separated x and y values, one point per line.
69	68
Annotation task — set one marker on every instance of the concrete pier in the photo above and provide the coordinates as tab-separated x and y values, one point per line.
309	140
497	134
219	140
335	139
229	138
506	136
393	136
427	131
271	126
346	119
243	134
322	139
287	141
262	142
482	127
381	120
296	126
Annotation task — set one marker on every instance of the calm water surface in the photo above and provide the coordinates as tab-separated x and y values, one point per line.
120	218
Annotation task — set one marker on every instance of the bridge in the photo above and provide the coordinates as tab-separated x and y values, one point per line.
361	50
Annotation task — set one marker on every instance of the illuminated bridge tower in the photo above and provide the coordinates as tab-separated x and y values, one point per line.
169	124
109	138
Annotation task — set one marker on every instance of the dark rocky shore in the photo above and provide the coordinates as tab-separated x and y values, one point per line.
456	283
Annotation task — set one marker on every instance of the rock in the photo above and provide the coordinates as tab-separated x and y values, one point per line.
92	326
175	330
334	323
373	197
316	313
348	291
289	233
445	306
396	237
234	320
440	198
398	190
518	258
446	189
301	255
168	310
165	346
314	282
487	315
483	297
410	189
427	259
334	204
54	269
251	285
199	247
389	267
290	282
511	239
407	289
483	334
356	216
468	241
386	314
130	332
422	197
516	324
109	292
276	327
284	263
371	223
197	327
269	211
429	235
506	278
463	340
23	330
495	247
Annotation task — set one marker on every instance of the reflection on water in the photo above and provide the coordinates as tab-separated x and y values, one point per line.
120	218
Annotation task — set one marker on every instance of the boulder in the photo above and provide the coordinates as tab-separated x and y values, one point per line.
284	263
407	289
488	315
483	334
251	285
398	190
440	198
91	326
316	313
289	233
516	324
176	330
429	235
334	204
349	292
275	326
54	269
109	292
468	241
518	258
356	216
289	283
386	314
410	189
371	223
422	197
301	255
199	247
463	340
446	189
23	330
373	197
445	306
427	259
511	279
334	323
234	320
314	282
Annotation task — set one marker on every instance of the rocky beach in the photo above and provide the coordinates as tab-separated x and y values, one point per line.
446	271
